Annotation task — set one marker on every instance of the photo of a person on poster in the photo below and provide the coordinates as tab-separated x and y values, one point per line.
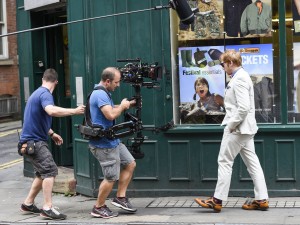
202	84
206	103
197	62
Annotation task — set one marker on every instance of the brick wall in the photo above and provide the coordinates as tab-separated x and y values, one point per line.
9	78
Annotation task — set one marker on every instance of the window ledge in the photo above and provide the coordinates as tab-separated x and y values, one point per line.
195	129
6	62
217	128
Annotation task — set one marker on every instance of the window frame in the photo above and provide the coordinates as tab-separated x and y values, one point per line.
274	40
4	54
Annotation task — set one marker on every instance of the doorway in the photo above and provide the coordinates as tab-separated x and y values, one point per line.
50	50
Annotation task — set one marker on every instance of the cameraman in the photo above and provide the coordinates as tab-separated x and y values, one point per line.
116	161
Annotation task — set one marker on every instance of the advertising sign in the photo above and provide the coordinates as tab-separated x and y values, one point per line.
202	81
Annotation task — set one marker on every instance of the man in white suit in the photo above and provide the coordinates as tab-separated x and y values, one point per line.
238	136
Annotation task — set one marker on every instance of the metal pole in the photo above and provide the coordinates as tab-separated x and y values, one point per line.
84	20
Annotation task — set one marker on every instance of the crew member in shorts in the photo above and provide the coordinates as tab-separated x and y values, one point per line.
38	115
116	161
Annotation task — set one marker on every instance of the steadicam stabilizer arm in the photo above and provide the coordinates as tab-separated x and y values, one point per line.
134	73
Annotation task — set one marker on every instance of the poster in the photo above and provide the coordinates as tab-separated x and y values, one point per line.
202	84
216	19
204	103
258	62
257	59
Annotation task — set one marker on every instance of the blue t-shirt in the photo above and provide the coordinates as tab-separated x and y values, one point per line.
37	122
98	99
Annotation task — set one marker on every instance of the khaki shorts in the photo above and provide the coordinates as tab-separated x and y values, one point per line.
111	159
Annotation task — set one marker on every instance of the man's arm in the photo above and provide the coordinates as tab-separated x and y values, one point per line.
112	113
55	137
57	111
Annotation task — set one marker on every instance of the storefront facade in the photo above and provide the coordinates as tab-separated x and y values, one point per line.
183	159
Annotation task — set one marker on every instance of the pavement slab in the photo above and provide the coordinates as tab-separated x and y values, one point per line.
175	210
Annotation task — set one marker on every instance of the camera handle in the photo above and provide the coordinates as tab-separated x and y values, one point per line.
136	142
135	146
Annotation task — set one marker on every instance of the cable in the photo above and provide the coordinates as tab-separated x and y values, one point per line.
84	20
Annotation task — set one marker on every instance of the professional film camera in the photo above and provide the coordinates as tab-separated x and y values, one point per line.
133	73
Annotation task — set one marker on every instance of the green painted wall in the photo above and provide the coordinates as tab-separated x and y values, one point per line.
142	35
182	161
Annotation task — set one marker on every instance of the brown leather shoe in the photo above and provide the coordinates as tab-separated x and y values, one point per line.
209	203
256	205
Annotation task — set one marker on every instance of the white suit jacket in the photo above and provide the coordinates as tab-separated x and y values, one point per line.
239	104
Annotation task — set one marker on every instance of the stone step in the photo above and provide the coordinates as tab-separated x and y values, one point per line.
65	181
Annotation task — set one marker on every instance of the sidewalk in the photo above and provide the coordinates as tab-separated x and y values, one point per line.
159	211
167	210
6	126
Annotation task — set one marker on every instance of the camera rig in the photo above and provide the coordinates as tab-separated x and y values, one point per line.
133	73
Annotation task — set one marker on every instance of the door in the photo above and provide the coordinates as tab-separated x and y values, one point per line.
57	57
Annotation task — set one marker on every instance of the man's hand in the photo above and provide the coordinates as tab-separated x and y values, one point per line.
125	104
132	102
57	139
80	109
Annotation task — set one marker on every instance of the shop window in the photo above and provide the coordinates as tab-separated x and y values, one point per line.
250	27
3	30
293	60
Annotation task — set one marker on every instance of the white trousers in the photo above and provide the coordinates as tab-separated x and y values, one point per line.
231	145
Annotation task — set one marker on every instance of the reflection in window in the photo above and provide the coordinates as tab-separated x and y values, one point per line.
293	60
201	79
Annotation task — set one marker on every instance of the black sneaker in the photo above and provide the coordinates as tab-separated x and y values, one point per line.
52	214
103	212
123	203
30	209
